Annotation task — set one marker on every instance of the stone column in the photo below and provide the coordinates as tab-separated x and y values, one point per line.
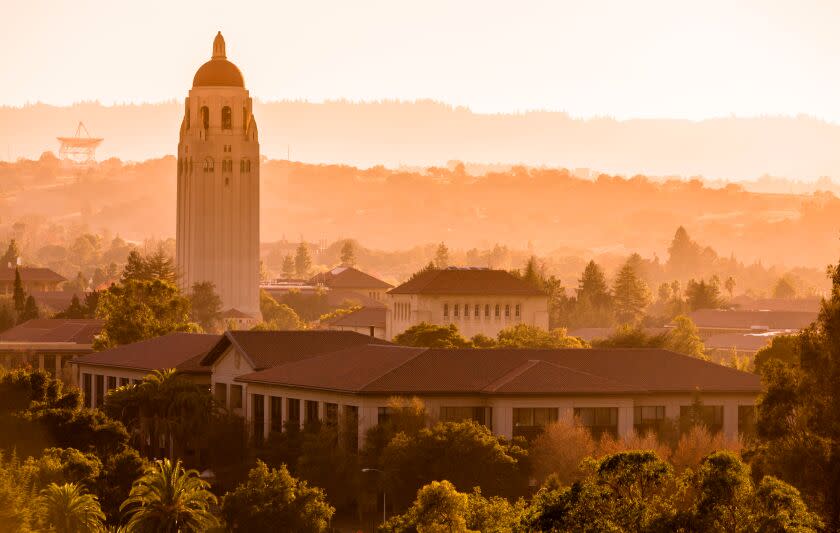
503	421
266	416
302	412
321	411
368	418
730	419
284	413
41	362
625	421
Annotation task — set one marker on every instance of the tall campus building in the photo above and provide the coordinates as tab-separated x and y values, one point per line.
218	232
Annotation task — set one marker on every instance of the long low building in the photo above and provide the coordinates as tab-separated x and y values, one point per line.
276	378
48	344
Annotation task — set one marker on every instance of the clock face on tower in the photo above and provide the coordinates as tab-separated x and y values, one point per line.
218	176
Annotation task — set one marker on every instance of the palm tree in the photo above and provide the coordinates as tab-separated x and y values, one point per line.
70	509
169	499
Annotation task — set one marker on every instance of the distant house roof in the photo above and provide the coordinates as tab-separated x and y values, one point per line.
31	274
266	349
361	318
181	351
344	277
372	369
55	300
743	342
467	281
235	313
737	319
777	304
338	297
71	330
590	334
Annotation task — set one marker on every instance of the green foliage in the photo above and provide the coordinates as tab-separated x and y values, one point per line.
74	310
303	261
594	304
205	305
168	498
432	336
18	294
288	267
348	254
8	315
525	336
277	316
68	508
466	453
158	266
627	336
19	509
116	478
272	498
783	348
631	295
30	310
139	310
684	338
327	463
784	289
441	256
481	340
703	295
346	309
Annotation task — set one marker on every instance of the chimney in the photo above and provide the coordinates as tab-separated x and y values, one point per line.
372	332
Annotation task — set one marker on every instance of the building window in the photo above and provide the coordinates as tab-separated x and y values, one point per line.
293	410
227	120
507	310
487	311
87	389
123	382
247	166
517	310
466	310
112	382
746	421
498	310
459	414
258	417
220	393
205	117
529	422
455	309
598	420
49	364
648	418
311	411
99	384
351	425
477	310
331	413
236	396
445	310
209	165
275	414
710	416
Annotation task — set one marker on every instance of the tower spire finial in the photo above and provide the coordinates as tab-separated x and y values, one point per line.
219	47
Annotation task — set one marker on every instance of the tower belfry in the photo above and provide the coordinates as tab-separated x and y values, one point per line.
219	186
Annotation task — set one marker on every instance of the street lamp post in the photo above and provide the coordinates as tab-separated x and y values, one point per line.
366	470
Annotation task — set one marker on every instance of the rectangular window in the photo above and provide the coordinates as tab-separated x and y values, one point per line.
458	414
648	418
445	310
112	382
746	421
529	422
220	393
294	409
99	383
87	389
507	310
351	425
311	411
518	311
710	416
275	414
477	313
49	364
331	413
466	310
487	310
258	417
599	420
455	309
383	415
236	396
123	382
498	310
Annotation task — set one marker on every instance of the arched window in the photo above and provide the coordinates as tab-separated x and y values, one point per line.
209	165
205	117
227	118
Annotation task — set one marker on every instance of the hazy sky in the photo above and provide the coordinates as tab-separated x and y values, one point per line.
622	58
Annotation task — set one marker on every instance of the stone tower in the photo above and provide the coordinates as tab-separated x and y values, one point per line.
218	233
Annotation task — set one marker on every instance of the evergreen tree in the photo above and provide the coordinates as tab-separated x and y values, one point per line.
784	289
442	256
10	258
288	267
74	310
685	338
631	295
30	310
348	254
303	261
18	295
592	286
683	254
729	284
8	315
702	295
206	305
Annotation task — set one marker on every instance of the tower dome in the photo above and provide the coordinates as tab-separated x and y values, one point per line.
218	72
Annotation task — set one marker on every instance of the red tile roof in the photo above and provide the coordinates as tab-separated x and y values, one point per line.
467	281
361	318
266	349
77	331
234	313
736	319
740	341
181	351
397	370
349	278
31	274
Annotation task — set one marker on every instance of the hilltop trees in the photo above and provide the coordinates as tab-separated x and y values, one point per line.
348	254
157	266
441	256
432	336
303	261
631	294
594	306
703	294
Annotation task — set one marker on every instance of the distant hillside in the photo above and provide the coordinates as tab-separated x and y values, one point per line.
428	133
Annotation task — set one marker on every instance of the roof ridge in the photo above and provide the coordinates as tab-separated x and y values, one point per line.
412	358
510	375
584	372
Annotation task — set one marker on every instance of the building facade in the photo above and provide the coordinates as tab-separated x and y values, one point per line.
477	300
219	186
